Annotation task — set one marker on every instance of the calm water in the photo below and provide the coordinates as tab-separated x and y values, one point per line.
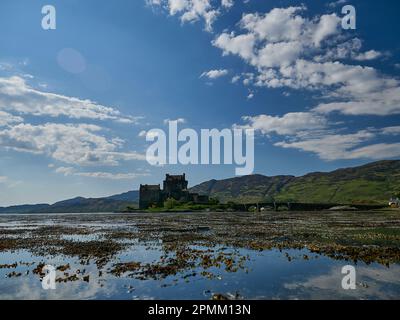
264	275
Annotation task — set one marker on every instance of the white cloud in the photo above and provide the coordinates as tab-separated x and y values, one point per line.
151	134
227	3
192	10
17	96
328	25
280	30
80	144
382	284
279	25
7	118
176	6
241	45
330	146
376	151
395	130
214	74
5	66
111	176
3	179
278	54
235	79
142	133
288	50
310	132
70	171
66	171
348	49
369	55
289	124
277	38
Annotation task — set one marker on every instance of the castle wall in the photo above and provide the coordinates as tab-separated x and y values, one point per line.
174	186
149	196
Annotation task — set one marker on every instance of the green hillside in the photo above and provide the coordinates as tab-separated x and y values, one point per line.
372	183
243	189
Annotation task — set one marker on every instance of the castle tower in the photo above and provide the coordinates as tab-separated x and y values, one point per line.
150	195
175	186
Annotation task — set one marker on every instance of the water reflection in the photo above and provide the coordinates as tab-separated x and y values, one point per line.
120	257
268	275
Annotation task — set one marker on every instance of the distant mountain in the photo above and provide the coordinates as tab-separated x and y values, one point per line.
80	204
28	208
131	196
372	183
76	205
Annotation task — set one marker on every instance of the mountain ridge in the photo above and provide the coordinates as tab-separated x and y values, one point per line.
372	183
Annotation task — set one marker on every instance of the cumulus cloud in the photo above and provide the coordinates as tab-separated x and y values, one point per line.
311	132
280	24
289	124
330	146
7	119
286	48
227	3
289	50
18	97
81	144
241	45
193	10
214	74
280	30
368	55
327	26
334	146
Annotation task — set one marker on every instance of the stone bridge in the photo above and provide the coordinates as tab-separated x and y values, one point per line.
298	206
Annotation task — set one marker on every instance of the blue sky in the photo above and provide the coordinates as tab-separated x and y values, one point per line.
73	101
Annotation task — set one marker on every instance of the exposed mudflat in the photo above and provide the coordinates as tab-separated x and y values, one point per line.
192	248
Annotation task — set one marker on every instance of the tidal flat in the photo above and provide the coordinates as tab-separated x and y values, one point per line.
268	255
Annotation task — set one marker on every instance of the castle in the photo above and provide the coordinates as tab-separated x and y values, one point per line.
174	186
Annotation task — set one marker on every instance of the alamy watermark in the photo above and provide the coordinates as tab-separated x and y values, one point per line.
49	280
49	21
349	280
349	20
226	146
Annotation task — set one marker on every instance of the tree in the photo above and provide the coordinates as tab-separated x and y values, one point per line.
170	203
213	201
